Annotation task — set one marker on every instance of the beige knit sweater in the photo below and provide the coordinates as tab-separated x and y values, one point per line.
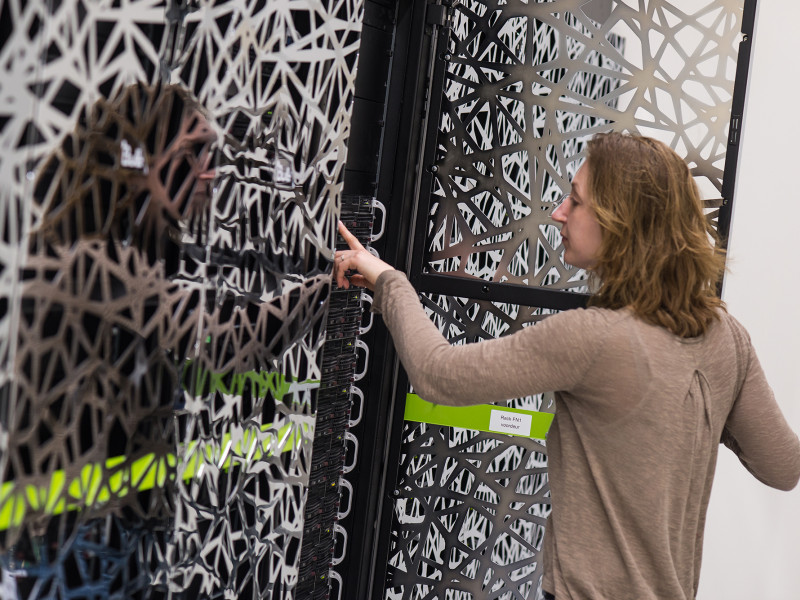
640	414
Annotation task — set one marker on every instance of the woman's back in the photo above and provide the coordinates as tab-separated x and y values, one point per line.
633	452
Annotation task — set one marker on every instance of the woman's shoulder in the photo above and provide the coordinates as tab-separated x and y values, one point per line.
597	317
594	317
590	326
732	323
728	328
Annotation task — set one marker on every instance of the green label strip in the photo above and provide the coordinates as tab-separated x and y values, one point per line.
480	417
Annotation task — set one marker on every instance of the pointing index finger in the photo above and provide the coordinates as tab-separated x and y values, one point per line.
351	240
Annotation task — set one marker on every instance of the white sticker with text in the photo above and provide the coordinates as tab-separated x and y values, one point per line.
501	421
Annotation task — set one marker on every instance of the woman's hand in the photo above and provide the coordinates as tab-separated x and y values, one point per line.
367	266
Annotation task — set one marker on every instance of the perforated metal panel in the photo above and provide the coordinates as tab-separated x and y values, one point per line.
525	85
171	183
522	87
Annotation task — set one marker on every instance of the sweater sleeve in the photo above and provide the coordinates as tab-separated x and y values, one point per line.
757	431
553	355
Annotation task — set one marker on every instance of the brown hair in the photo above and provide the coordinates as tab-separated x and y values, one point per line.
659	254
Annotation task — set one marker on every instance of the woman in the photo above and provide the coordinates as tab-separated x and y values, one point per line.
648	380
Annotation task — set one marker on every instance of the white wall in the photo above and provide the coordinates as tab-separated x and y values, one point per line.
752	548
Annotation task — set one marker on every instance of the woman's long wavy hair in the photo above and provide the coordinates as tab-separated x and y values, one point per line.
659	254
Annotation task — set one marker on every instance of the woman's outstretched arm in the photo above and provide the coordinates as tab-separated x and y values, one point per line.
553	355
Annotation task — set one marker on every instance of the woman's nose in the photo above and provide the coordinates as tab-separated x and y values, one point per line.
559	215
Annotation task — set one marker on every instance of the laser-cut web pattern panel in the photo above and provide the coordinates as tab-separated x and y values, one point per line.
527	84
172	183
471	507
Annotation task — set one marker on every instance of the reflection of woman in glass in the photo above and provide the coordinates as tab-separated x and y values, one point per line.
126	299
648	380
110	311
134	171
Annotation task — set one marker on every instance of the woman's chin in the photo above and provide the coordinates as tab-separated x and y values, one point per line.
576	261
